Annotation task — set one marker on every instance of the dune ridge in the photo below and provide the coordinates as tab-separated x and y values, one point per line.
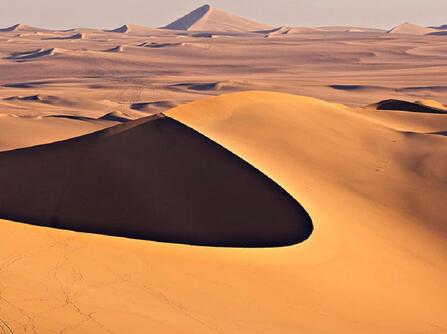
411	29
418	106
236	206
206	18
34	54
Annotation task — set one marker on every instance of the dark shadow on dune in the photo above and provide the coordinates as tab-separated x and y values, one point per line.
347	87
407	106
143	106
357	88
153	179
74	36
113	117
439	133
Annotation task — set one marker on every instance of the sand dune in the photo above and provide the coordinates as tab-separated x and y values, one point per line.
432	104
225	85
411	29
115	116
123	29
118	49
348	28
233	208
206	18
132	29
438	33
153	107
156	45
409	106
33	54
73	36
22	28
24	98
18	132
280	31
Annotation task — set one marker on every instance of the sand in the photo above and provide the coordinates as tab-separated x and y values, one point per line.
329	141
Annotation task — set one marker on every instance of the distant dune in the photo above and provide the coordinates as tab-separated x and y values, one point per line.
116	49
207	18
281	31
411	29
23	28
429	107
73	36
33	54
132	28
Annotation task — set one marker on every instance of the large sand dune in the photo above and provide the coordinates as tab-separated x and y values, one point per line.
376	262
141	180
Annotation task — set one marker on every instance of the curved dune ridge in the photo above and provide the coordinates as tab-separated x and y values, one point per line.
285	30
38	53
418	106
411	29
78	35
116	49
153	179
22	28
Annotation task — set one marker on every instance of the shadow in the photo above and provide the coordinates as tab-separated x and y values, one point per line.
153	179
407	106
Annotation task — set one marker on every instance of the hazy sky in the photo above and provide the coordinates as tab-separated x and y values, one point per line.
112	13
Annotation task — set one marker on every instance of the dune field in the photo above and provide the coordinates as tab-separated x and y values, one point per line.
219	175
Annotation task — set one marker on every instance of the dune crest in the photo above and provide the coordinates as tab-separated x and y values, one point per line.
206	18
233	204
411	29
284	30
22	28
39	53
423	107
116	49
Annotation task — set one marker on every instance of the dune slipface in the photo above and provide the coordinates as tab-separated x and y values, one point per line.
153	179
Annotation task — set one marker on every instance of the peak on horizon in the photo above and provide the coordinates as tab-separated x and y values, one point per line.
207	18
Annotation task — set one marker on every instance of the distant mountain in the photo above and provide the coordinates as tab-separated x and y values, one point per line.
207	18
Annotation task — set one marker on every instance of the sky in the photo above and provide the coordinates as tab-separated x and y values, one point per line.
64	14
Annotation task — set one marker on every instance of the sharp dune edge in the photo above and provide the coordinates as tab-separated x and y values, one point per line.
207	18
129	135
232	206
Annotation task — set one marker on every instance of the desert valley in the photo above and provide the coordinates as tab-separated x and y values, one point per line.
219	175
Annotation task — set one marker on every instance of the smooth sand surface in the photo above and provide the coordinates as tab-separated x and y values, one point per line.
353	129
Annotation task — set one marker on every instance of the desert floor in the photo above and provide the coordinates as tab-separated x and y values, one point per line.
308	109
